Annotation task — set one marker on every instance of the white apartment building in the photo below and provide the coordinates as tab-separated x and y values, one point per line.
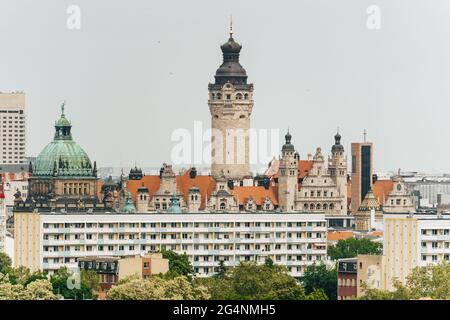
414	240
12	128
2	220
47	241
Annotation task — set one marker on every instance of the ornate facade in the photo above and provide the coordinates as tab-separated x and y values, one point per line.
62	177
230	103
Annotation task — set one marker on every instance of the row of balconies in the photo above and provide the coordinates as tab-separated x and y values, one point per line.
184	241
186	230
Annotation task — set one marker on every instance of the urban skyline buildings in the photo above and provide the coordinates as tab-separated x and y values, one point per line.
12	128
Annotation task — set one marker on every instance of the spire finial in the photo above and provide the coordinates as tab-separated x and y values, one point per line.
365	135
338	130
62	108
231	26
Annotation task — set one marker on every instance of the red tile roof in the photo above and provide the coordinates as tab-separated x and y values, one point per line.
381	189
257	193
206	185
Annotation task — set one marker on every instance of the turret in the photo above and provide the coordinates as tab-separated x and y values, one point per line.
287	176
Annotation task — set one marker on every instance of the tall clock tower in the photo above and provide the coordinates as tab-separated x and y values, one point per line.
230	103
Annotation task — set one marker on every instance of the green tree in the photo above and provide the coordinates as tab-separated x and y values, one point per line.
423	282
179	264
90	279
250	281
37	290
317	294
19	275
5	262
157	288
221	270
269	262
350	248
40	289
320	277
67	284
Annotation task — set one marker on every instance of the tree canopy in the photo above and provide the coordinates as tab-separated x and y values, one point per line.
350	248
73	286
179	264
157	288
423	282
320	277
250	281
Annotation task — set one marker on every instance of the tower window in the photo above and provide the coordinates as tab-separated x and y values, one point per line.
228	96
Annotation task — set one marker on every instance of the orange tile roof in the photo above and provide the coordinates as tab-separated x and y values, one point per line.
150	182
381	189
258	194
339	235
377	234
304	166
206	185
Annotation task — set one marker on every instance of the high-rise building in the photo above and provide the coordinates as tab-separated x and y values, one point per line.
362	169
230	103
12	128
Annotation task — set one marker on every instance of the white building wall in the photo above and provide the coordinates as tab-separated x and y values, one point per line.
292	240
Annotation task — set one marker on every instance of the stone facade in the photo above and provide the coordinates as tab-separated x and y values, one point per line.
230	104
399	199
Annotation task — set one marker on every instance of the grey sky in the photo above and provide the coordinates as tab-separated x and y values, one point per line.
139	69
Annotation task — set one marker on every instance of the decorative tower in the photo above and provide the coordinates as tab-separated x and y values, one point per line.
287	176
338	169
194	199
142	199
230	103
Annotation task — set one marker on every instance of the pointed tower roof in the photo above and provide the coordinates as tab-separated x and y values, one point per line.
129	206
370	202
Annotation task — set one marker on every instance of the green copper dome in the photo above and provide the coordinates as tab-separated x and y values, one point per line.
63	157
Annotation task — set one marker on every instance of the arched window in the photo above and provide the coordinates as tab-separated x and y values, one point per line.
325	206
222	206
318	206
246	96
331	206
239	96
311	206
219	96
305	206
213	96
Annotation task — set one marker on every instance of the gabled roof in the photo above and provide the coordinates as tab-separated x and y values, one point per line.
205	184
257	193
303	167
381	189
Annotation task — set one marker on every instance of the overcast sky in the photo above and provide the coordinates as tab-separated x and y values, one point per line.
139	69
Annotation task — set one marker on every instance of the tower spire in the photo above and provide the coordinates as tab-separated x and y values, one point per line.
231	26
